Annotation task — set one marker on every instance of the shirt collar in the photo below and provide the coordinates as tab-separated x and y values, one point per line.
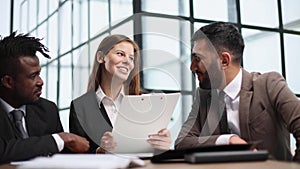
101	95
233	88
8	108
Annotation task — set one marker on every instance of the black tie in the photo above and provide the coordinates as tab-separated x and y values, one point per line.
223	113
17	116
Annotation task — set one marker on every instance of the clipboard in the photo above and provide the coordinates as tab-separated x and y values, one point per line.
139	116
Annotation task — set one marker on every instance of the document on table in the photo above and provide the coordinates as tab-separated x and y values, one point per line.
81	161
140	116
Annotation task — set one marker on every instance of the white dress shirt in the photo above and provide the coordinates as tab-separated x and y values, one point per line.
232	101
8	108
111	106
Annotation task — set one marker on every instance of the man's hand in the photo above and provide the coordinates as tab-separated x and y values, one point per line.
74	142
161	140
236	140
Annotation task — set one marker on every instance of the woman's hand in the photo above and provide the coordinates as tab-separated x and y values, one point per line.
161	140
107	143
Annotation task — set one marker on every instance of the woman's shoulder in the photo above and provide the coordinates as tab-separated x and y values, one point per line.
86	96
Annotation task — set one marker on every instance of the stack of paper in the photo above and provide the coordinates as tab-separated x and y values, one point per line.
82	161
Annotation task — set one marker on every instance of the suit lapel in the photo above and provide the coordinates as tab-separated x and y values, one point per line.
211	123
7	128
104	114
35	124
93	119
245	102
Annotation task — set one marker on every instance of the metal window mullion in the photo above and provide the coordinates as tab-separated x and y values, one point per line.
239	22
137	31
232	12
281	38
89	37
192	20
58	52
11	16
28	18
109	16
72	49
47	66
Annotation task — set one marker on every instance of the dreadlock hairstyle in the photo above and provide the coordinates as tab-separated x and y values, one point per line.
14	46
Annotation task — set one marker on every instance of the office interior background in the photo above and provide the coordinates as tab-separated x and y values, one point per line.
72	30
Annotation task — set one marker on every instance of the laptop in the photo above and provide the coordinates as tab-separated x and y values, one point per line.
214	153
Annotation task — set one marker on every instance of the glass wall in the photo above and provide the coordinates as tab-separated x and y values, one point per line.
72	29
5	17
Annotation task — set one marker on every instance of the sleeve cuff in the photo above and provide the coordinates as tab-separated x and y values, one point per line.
224	139
59	142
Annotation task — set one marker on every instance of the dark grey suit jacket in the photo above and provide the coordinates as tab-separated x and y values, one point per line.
89	120
268	112
42	120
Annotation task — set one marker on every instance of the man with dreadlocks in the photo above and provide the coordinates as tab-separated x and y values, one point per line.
29	125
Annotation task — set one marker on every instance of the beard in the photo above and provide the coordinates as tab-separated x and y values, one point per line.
205	82
212	78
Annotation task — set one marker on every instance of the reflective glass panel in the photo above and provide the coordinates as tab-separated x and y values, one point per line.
65	79
5	18
120	9
64	118
32	14
42	10
80	71
50	84
53	36
98	16
260	13
125	29
262	51
291	14
24	17
291	48
223	10
80	22
166	54
53	5
171	7
65	30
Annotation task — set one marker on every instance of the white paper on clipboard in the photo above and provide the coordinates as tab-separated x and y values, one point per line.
140	116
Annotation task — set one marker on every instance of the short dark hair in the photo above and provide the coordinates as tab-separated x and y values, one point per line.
224	37
14	46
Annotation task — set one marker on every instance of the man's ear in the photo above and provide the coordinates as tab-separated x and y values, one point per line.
100	57
7	81
225	59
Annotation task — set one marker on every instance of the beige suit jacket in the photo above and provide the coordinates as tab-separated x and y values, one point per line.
268	112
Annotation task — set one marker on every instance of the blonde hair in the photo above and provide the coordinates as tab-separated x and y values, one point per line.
132	84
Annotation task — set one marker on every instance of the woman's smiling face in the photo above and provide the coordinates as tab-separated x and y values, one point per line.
119	61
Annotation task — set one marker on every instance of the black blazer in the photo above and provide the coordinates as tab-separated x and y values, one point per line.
89	120
42	120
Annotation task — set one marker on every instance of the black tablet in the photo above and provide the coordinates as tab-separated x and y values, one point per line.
226	156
